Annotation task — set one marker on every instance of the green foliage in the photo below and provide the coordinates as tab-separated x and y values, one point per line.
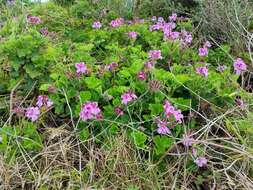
162	144
40	62
29	57
139	139
32	56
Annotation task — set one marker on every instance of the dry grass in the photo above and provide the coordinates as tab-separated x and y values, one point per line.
225	20
67	163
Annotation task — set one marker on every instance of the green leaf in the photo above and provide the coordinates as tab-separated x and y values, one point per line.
44	87
139	139
84	134
162	75
85	96
156	109
93	83
124	73
162	143
31	71
113	129
182	78
136	66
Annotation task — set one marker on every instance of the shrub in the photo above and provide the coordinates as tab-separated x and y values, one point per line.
226	21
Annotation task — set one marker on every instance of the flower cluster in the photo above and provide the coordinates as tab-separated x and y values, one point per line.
90	110
239	102
154	18
239	66
81	68
154	54
203	51
117	22
34	20
141	75
201	161
149	65
186	38
132	35
128	97
11	2
173	17
44	31
112	66
168	33
187	140
118	111
202	71
96	25
33	113
170	110
162	127
221	68
43	100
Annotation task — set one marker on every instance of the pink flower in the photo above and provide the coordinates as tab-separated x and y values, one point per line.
187	37
96	25
173	35
239	102
128	97
162	127
171	110
160	19
168	108
117	22
141	75
40	101
132	34
149	65
81	68
239	66
99	116
203	52
178	116
44	31
202	71
153	18
118	111
32	113
33	19
154	54
112	66
221	68
187	140
156	26
201	161
168	27
207	44
44	100
173	17
49	103
90	110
